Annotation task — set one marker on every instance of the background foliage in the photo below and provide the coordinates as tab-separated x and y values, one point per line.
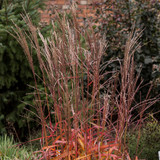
121	17
15	73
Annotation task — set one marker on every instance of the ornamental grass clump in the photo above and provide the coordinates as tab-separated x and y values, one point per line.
90	114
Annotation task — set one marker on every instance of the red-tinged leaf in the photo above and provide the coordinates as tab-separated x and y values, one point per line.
83	157
36	139
61	142
48	147
81	137
111	142
96	126
58	138
90	83
81	143
114	148
102	147
135	158
115	157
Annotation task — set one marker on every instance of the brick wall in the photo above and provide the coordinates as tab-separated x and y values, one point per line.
86	9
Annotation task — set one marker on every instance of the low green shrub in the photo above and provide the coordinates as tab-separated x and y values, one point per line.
11	151
149	142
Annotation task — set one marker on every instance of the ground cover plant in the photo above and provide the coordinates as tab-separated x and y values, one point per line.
148	145
9	150
89	114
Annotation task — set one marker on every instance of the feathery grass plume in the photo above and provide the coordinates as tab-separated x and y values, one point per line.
70	62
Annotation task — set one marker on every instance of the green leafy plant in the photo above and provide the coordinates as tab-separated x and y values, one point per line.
148	145
9	150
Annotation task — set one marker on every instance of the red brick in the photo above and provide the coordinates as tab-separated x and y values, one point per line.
85	9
